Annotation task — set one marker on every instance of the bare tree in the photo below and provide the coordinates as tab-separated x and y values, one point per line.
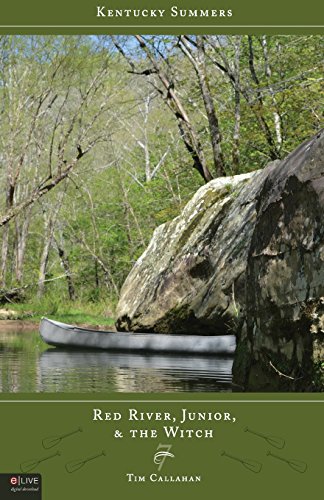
169	94
49	113
198	60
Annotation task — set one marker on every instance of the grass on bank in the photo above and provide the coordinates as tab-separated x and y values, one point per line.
88	313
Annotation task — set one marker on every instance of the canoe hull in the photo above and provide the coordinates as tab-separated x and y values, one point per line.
62	335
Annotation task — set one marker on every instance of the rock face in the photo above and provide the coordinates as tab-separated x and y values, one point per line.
191	277
282	344
246	255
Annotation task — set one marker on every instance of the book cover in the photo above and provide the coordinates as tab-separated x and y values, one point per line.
161	232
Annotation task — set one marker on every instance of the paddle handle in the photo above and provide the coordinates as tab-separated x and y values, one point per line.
95	456
57	454
248	464
276	456
70	433
32	464
275	441
223	453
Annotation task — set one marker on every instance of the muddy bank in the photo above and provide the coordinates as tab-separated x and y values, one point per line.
18	325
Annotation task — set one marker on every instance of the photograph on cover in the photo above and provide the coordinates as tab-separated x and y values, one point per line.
161	213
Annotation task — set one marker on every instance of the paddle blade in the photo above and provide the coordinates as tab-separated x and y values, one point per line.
50	442
297	466
71	467
275	441
252	466
29	465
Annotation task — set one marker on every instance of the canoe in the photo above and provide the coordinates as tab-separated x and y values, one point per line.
63	335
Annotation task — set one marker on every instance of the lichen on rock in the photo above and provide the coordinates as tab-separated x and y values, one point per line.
189	279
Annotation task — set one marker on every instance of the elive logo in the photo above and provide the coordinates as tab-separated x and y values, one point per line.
20	486
23	480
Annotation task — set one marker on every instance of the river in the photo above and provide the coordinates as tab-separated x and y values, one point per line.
28	365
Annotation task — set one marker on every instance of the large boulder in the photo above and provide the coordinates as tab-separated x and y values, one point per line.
246	255
281	347
191	278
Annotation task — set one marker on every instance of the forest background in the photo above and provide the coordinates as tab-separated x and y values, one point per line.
104	138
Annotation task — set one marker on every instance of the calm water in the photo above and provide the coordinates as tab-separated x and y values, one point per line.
26	365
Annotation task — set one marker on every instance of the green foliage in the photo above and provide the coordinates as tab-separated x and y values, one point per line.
77	313
139	175
318	376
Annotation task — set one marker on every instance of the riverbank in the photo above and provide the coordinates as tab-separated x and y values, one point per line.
26	316
17	325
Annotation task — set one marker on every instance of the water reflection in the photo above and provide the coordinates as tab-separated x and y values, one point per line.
28	368
105	371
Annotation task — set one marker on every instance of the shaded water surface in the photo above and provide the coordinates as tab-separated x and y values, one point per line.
27	365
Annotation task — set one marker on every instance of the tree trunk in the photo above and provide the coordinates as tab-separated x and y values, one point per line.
21	241
259	109
10	193
215	134
49	227
187	131
237	108
4	255
67	270
268	72
198	62
44	260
